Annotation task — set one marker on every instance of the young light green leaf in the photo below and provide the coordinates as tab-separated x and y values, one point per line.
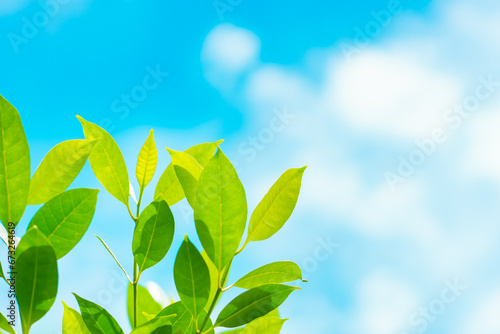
65	218
168	186
221	210
188	171
146	162
73	322
184	323
96	318
2	275
273	273
145	304
58	170
114	257
147	316
14	165
276	206
107	161
153	234
268	325
157	325
37	277
214	276
253	304
191	277
5	325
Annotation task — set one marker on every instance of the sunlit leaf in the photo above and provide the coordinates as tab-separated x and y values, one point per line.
184	323
253	304
214	276
14	165
168	186
153	234
191	277
37	277
65	218
273	273
188	171
146	162
276	206
4	324
58	169
145	303
268	325
157	325
73	322
107	161
96	318
221	210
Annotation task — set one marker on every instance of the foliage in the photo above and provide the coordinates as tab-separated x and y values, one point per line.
203	175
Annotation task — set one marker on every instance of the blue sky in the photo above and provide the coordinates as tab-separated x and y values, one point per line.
399	128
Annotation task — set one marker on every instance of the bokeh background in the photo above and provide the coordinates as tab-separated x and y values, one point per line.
393	105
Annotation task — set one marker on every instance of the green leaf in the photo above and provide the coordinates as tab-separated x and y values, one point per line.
191	277
114	257
107	162
221	210
2	275
276	206
37	277
96	318
184	323
168	186
65	218
268	325
58	170
153	234
158	325
14	165
145	304
73	322
214	276
273	273
146	162
253	304
4	324
188	171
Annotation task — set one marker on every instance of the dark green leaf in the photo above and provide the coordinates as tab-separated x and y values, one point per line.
221	210
96	318
14	165
253	304
65	218
37	277
277	272
192	278
58	169
153	234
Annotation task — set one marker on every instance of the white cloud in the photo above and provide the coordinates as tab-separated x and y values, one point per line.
384	304
227	52
389	92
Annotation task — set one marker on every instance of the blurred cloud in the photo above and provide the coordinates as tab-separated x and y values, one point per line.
227	52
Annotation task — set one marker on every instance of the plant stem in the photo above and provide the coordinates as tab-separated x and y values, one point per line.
136	278
219	291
